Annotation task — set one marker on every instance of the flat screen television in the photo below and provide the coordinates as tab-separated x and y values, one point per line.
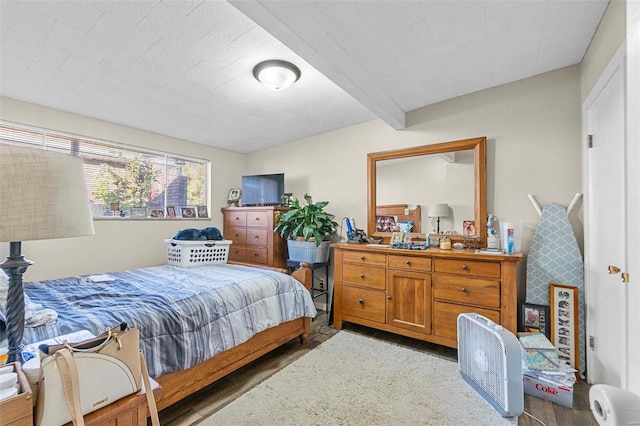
263	190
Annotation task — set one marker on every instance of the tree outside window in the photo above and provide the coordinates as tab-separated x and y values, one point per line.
131	186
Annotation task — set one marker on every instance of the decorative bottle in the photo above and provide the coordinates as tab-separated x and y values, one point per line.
493	238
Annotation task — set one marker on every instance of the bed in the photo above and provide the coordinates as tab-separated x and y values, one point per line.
196	324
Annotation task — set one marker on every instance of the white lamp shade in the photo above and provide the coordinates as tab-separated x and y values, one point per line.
276	75
439	210
43	195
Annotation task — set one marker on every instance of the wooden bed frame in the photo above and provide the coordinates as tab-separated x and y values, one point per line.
179	384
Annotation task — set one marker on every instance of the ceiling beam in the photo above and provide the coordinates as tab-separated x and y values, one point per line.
288	22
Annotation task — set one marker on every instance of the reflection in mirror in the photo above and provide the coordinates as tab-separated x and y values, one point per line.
430	179
452	173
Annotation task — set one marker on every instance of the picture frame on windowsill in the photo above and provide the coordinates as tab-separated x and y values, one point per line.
138	212
202	212
188	212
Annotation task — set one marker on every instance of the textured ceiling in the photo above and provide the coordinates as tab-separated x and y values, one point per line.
184	68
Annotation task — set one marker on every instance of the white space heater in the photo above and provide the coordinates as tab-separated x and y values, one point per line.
490	360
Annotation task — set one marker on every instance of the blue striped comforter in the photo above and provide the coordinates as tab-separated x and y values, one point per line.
185	316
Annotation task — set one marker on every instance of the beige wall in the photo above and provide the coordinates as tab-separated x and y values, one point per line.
533	132
118	245
606	41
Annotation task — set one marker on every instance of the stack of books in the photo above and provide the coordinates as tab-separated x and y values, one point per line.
545	375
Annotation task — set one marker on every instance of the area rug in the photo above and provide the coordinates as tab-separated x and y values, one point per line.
356	380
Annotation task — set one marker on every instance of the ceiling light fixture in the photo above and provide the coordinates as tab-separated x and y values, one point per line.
276	74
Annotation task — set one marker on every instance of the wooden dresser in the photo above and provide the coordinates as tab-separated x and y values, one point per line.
420	293
251	230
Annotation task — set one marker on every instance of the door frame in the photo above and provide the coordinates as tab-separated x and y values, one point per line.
633	191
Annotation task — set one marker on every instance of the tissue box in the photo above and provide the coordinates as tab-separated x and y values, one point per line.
558	394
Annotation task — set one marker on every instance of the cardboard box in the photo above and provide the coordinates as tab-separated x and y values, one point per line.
557	394
18	410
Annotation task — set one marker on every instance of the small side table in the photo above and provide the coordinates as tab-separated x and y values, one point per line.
323	290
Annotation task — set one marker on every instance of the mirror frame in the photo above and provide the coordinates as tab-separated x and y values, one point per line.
479	147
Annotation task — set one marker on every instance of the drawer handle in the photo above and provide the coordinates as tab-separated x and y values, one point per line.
464	289
256	254
361	257
257	218
236	218
465	267
389	297
408	262
256	237
362	276
361	301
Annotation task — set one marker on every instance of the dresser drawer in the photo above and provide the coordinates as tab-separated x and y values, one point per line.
236	218
257	219
468	267
377	259
445	318
237	253
237	235
365	276
410	263
475	291
257	255
257	237
363	303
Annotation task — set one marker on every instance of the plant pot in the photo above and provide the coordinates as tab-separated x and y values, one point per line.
307	251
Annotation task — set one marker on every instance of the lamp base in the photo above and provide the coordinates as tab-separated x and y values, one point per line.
15	266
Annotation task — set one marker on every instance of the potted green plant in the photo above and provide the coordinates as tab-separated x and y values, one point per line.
308	230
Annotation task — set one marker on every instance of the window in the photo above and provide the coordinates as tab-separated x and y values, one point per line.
125	181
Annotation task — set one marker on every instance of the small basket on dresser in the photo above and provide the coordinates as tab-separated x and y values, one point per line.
187	254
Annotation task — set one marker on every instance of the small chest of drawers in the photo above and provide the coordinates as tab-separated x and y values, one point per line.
251	230
421	294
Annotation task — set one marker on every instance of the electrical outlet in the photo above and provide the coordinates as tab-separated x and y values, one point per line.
321	280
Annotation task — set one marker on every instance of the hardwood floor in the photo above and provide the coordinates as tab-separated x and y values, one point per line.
200	405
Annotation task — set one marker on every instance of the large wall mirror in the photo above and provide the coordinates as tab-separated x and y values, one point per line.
406	184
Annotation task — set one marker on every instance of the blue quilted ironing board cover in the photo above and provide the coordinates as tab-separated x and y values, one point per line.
555	258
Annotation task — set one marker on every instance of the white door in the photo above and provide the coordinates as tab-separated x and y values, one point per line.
605	228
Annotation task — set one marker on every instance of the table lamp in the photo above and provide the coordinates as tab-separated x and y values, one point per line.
43	195
438	210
